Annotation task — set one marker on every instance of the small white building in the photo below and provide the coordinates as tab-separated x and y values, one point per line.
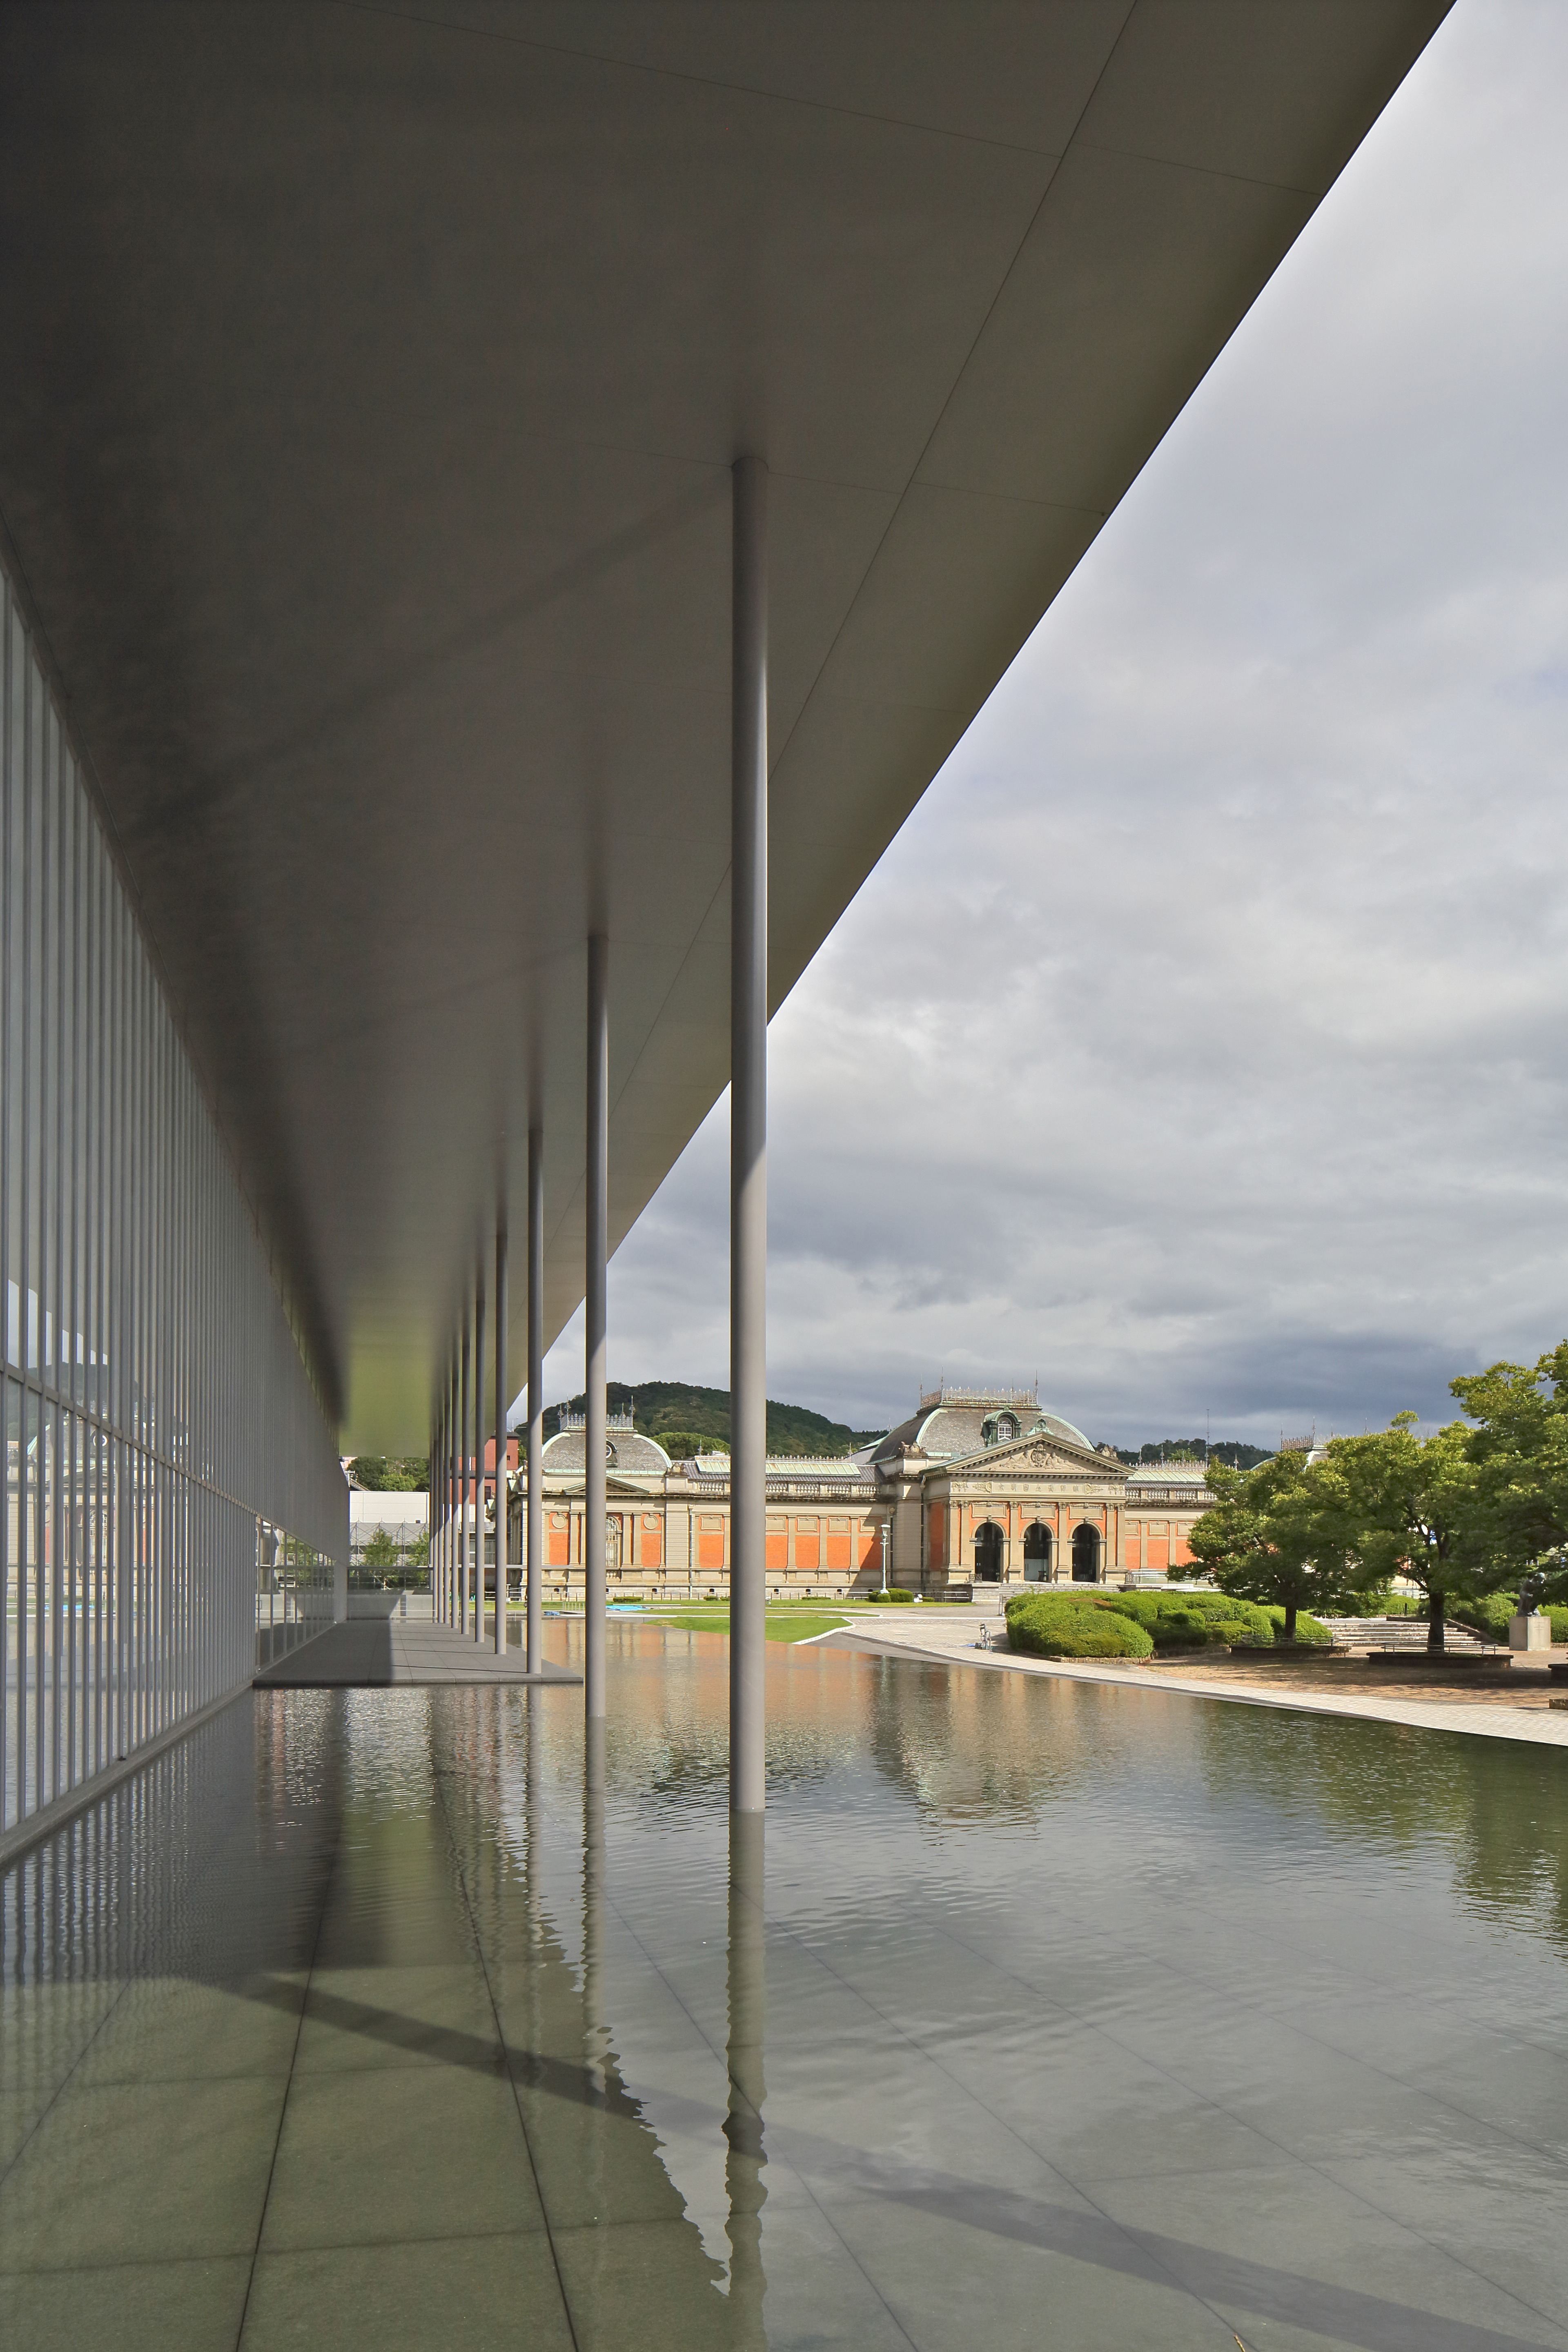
406	1517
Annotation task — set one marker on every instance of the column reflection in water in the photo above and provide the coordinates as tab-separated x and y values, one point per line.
743	2168
596	2033
533	1849
600	2164
599	2081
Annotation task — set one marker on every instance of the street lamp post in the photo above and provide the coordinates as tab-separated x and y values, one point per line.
886	1530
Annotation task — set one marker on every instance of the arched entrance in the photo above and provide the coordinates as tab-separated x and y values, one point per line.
988	1553
1086	1554
612	1541
1037	1554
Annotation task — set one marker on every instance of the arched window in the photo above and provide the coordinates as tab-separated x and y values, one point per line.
1037	1554
1086	1554
1006	1429
988	1553
612	1541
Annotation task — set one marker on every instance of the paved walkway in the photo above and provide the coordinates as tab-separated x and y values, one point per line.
950	1641
379	1653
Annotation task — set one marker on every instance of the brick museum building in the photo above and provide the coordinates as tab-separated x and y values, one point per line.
977	1487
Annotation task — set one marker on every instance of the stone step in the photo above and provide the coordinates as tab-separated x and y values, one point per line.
1399	1633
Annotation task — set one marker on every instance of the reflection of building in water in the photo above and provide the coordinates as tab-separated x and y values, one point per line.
977	1485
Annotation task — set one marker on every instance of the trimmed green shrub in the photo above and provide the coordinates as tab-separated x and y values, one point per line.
1167	1624
1238	1621
1490	1616
894	1592
1308	1628
1191	1620
1050	1625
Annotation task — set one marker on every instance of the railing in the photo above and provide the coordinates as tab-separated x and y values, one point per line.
833	1490
714	1485
947	1394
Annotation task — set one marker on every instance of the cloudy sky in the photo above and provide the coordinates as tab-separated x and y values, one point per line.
1201	1043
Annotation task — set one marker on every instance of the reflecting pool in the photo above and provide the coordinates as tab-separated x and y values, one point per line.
1053	2014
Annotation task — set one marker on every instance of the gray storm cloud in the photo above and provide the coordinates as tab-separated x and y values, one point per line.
1200	1043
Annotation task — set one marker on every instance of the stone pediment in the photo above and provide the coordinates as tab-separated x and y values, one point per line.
1036	1458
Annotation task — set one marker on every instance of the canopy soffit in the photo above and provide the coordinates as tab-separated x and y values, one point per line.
373	376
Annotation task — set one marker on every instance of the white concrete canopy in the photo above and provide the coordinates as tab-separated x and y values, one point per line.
372	381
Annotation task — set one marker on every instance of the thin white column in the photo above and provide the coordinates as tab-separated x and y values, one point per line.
500	1438
535	1397
430	1484
450	1496
462	1522
439	1513
479	1461
595	1349
748	1136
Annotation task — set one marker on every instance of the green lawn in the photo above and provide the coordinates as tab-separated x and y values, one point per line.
792	1621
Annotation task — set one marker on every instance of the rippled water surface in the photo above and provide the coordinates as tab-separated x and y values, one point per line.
1051	2015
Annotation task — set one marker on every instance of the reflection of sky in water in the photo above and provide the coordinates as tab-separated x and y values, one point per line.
1085	2016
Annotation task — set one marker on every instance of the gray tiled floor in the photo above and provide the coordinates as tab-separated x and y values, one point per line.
389	1652
374	2022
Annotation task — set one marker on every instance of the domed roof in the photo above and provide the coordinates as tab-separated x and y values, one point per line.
629	1452
955	1424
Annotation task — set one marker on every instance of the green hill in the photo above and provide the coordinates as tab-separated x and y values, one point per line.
1194	1449
674	1409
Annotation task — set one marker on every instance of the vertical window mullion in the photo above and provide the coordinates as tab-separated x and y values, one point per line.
8	1547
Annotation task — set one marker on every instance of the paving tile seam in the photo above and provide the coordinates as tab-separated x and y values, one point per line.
456	1863
1441	2101
324	1899
1079	2187
155	2079
81	2265
721	2059
60	2088
925	2185
1009	2130
413	2235
1437	2098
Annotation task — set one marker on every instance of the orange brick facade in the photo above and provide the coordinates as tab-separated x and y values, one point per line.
1032	1502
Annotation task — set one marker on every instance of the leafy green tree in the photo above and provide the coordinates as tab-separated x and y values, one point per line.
1279	1534
419	1552
379	1474
1416	1510
382	1552
682	1444
1519	1448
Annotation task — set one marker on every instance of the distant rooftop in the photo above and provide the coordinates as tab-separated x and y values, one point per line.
617	1417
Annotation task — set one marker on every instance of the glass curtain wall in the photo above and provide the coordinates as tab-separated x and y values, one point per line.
173	1496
